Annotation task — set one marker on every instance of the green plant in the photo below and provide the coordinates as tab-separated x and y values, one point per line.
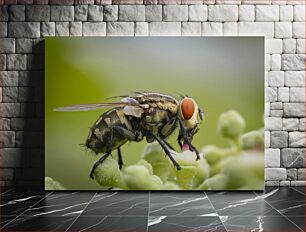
238	166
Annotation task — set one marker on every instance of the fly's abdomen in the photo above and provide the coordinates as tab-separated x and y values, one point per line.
102	137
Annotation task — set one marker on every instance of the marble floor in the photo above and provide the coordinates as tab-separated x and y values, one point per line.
276	209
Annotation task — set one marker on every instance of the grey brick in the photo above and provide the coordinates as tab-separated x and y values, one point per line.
175	13
62	28
267	139
276	78
154	13
302	174
62	13
270	94
290	124
295	78
82	2
272	183
279	139
4	15
9	78
80	12
298	183
47	29
131	13
276	105
191	29
283	29
3	26
8	45
24	45
61	2
75	29
10	94
39	13
246	13
293	157
275	174
128	2
289	45
24	29
296	139
141	29
2	62
11	157
95	13
294	110
297	94
273	123
17	12
110	13
293	61
300	46
222	13
283	94
11	109
103	2
18	123
292	174
120	29
16	62
298	29
165	29
24	94
276	113
284	183
267	13
212	29
272	158
94	29
5	124
256	28
302	124
8	138
197	13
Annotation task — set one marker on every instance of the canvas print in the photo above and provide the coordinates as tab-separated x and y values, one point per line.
154	113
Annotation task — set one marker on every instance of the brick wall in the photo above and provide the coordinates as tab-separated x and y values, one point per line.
24	24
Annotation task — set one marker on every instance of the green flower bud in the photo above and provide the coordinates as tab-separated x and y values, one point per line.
231	124
138	177
202	172
252	140
217	182
244	170
169	185
184	177
109	174
147	165
158	160
212	154
51	184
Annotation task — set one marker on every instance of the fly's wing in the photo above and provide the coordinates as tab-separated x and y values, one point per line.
130	107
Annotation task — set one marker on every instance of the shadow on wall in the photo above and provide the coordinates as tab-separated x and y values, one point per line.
31	172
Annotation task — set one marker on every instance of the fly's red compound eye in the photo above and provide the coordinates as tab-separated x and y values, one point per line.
187	107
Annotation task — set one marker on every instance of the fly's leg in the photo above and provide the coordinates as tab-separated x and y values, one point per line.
166	150
120	161
179	141
127	134
100	161
185	137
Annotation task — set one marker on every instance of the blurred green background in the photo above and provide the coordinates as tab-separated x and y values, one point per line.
220	73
